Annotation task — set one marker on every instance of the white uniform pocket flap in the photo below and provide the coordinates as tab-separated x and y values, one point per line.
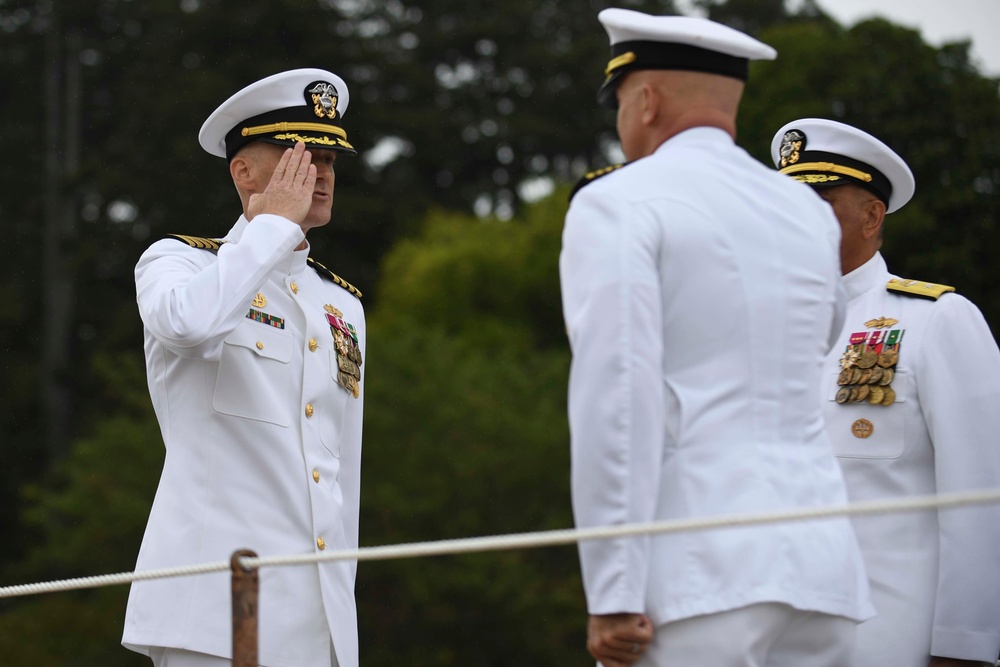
263	340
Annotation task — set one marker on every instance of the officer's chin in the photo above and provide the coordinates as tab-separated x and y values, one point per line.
318	216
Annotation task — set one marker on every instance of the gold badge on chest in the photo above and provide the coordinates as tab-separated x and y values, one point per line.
868	365
347	345
862	428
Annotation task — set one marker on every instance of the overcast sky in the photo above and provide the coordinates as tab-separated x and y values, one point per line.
939	21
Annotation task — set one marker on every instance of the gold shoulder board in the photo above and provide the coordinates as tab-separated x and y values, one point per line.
592	176
330	275
212	245
918	288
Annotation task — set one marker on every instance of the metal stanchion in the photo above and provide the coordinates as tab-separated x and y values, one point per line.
245	587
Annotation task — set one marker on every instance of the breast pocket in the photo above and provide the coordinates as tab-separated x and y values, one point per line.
866	431
254	379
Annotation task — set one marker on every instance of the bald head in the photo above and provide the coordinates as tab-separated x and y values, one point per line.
655	105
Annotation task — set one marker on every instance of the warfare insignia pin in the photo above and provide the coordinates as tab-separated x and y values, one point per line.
323	97
333	310
259	301
792	145
881	323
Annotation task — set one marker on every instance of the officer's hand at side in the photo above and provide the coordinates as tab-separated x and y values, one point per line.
289	194
618	640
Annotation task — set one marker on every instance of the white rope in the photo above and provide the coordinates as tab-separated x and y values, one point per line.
527	540
562	537
111	579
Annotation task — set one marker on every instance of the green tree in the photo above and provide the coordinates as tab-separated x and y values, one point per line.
86	517
453	104
465	434
465	425
931	105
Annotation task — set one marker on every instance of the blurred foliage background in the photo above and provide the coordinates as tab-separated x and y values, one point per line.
472	118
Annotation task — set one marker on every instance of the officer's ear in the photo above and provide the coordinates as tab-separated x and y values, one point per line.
872	217
241	169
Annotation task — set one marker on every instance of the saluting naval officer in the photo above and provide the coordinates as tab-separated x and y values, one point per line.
255	362
700	292
912	391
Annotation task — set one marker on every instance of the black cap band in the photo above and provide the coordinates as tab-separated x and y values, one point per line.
640	54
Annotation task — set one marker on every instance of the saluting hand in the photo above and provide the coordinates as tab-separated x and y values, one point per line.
289	193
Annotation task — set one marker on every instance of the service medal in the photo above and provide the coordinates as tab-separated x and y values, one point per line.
889	396
868	364
868	358
347	345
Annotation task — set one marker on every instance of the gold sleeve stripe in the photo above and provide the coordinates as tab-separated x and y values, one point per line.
829	167
198	241
619	61
291	127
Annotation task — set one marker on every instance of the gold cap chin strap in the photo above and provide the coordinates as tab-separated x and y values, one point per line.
291	127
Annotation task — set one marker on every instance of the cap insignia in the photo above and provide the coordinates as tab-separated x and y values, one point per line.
792	145
324	99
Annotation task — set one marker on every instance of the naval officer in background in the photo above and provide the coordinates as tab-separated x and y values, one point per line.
912	396
254	357
700	292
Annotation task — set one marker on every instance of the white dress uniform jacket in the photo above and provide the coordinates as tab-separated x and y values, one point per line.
935	577
263	446
700	296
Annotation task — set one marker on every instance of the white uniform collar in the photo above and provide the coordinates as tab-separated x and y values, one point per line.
697	135
874	272
293	265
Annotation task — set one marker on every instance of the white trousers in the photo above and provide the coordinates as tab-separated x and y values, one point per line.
761	635
175	657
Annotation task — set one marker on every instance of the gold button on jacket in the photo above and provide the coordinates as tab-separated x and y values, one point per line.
309	409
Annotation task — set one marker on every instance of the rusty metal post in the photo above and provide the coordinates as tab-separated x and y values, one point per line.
246	584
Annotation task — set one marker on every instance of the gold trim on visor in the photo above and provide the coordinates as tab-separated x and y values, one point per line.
829	167
323	141
620	61
291	127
